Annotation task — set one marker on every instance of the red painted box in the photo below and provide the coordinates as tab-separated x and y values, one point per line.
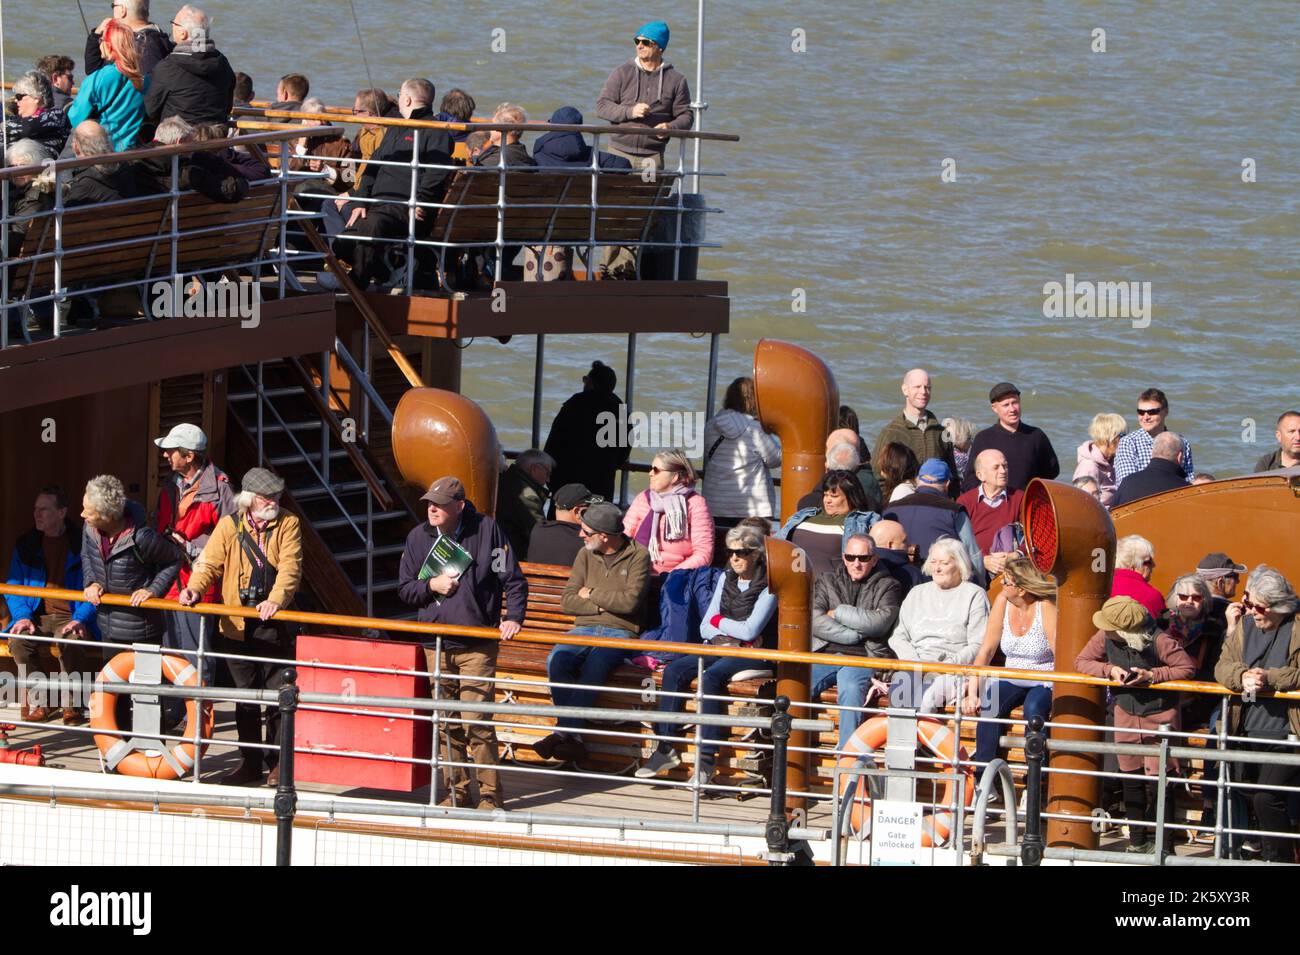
347	732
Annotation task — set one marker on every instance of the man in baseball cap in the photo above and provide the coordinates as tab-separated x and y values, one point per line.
1028	452
558	541
458	568
606	593
191	502
1222	574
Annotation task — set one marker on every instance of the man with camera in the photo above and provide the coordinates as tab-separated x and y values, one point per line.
257	555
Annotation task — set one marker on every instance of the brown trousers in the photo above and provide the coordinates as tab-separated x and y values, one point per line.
26	653
463	742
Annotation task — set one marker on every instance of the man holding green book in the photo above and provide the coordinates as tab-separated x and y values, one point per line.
456	569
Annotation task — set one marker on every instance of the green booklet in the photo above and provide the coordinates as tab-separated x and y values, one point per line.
445	556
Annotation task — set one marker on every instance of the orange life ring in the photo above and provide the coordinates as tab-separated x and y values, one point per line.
119	752
932	735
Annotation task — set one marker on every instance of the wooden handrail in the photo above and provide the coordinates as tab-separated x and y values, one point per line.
177	149
337	115
688	649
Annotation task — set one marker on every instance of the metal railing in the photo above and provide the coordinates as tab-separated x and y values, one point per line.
165	241
1218	747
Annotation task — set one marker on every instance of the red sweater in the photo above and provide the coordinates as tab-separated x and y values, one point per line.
987	521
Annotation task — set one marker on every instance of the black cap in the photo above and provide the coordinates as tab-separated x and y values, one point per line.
1001	390
575	495
1220	561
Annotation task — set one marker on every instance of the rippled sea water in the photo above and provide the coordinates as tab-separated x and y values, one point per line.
1123	165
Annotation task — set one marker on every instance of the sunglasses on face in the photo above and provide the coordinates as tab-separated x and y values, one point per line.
1254	607
1149	412
656	469
1194	598
642	41
583	532
860	558
740	551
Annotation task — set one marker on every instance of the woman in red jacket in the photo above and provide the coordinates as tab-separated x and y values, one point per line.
669	518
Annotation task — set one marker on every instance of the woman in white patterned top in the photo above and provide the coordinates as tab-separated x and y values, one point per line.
1022	623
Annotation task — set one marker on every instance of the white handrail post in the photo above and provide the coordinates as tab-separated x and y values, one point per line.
411	211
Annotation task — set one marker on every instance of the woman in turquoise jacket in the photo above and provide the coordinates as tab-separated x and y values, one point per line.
114	94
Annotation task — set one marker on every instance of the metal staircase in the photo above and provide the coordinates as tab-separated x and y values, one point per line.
355	519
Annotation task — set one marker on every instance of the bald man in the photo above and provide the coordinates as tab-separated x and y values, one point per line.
891	548
916	427
1164	473
992	505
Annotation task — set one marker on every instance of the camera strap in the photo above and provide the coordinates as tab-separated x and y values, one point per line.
263	570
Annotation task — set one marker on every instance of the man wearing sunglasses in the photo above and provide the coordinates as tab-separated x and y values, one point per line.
1261	655
644	91
854	612
61	71
1134	450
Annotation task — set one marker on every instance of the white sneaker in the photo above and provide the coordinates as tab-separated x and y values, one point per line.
658	764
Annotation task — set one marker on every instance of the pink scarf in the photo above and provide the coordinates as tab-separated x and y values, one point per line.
671	507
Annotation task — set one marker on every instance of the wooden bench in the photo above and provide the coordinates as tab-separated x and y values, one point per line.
210	234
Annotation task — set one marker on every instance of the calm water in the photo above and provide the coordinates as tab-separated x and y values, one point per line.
1115	166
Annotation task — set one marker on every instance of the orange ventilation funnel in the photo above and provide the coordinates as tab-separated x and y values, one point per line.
437	433
799	402
1069	535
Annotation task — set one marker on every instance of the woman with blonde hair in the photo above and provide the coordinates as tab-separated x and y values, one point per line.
1097	455
669	518
114	94
1022	624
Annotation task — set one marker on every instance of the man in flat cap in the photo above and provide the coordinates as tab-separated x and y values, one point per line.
606	593
257	555
1028	451
456	569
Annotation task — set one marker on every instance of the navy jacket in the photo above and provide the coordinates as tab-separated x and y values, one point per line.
477	601
1160	475
27	569
682	602
570	149
141	558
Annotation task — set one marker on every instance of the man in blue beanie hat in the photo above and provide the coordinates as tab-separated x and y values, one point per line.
644	91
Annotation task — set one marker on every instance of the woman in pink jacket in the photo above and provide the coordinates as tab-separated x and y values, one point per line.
669	518
1097	456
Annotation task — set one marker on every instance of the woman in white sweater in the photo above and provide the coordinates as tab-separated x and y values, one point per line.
940	621
738	455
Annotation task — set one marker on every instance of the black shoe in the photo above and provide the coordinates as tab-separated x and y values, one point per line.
570	749
247	774
545	747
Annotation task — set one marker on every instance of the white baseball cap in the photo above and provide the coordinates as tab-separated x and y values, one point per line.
187	436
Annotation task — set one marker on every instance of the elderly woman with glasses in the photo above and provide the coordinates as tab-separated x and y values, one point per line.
1135	561
34	117
1262	655
669	518
737	616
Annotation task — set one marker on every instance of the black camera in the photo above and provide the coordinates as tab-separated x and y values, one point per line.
250	596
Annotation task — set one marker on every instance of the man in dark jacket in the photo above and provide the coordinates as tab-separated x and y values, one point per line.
391	185
516	151
521	497
1028	451
121	554
456	569
151	41
893	554
1287	452
570	149
49	555
930	513
558	541
1164	473
194	81
854	612
104	182
581	457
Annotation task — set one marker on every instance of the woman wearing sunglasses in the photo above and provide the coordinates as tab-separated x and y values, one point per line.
1260	655
737	616
1022	624
669	519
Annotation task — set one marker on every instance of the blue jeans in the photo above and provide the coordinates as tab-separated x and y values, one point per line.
677	678
590	666
852	684
1007	696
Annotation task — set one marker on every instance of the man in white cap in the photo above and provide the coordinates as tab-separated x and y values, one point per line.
257	556
192	500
